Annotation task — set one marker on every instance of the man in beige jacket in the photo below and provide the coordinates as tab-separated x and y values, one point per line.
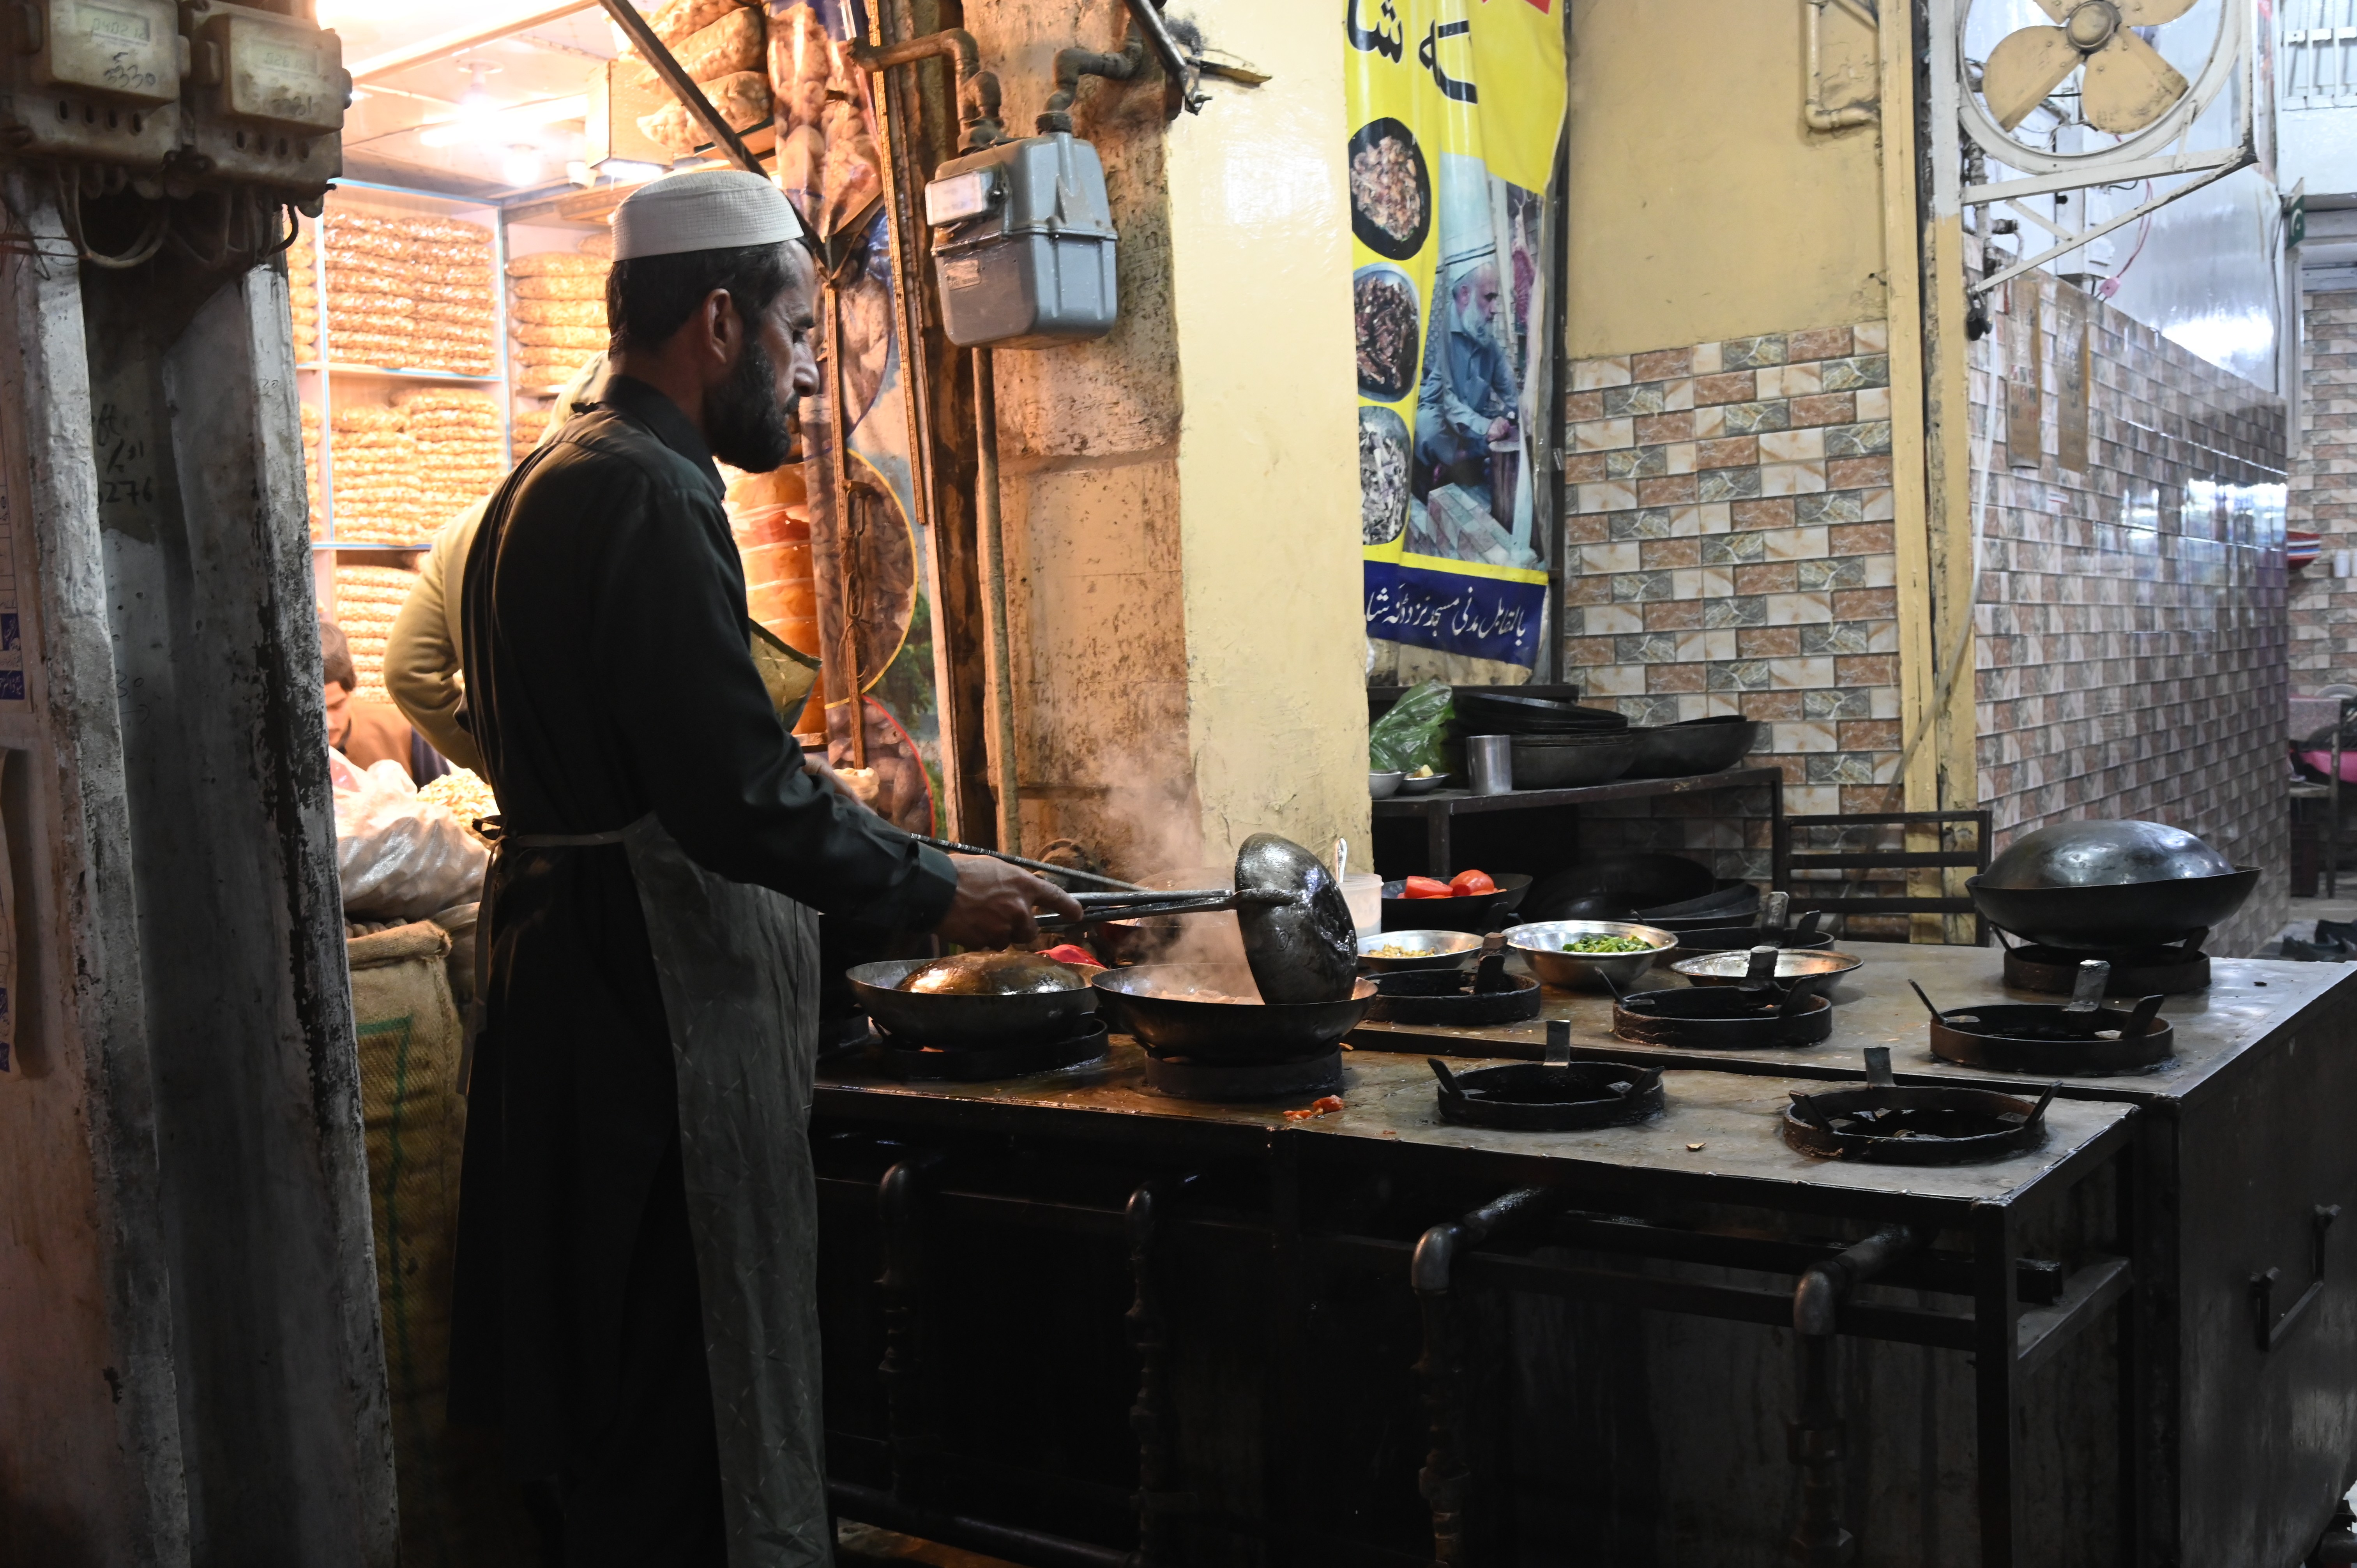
422	654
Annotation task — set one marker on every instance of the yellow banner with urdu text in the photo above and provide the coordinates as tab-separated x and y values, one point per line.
1455	110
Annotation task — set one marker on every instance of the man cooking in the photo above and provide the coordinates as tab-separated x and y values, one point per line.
634	1276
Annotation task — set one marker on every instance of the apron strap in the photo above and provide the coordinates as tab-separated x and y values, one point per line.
492	829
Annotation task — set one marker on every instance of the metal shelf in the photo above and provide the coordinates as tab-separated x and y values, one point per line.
1442	806
337	368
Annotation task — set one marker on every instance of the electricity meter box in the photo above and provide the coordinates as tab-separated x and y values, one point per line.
97	81
1023	244
267	99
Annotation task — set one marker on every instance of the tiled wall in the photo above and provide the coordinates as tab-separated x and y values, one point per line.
2133	636
2324	494
1729	519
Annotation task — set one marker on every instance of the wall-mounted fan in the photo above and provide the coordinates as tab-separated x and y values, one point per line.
2124	85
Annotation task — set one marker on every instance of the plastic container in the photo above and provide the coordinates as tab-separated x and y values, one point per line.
1363	891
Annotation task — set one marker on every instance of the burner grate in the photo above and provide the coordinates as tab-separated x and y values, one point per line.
1181	1078
982	1064
1884	1123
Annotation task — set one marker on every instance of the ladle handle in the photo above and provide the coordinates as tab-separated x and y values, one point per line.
1937	1016
953	847
1558	1042
2087	991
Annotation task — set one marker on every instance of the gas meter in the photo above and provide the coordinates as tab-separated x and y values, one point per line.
96	81
1023	244
266	96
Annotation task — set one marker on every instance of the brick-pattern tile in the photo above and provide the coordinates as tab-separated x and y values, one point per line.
1764	583
2132	620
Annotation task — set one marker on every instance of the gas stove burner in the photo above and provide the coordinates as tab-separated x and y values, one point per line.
1487	996
2043	1038
1228	1082
982	1064
1533	1097
2135	971
1750	1014
1886	1124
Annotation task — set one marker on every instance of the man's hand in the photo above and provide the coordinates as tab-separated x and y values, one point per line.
994	901
1501	429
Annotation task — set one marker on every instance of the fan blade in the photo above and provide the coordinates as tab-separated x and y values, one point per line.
2150	13
2023	68
2128	85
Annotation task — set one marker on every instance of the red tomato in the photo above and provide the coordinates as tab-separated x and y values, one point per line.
1469	882
1426	887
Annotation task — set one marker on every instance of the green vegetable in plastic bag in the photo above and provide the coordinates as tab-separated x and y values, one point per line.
1409	736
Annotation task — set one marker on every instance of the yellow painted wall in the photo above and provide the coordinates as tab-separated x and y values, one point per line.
1701	206
1268	478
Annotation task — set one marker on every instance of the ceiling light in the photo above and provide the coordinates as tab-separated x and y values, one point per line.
522	165
623	171
501	127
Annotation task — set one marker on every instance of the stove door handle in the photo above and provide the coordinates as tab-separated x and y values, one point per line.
2268	1328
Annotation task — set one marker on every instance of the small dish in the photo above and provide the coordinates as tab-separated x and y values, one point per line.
1417	950
1423	786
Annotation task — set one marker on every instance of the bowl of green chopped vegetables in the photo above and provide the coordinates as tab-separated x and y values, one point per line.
1590	954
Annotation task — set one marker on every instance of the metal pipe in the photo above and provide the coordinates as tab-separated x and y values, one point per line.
869	1505
1813	108
656	53
1148	18
977	88
899	1215
1814	1439
994	604
1073	64
1447	1479
1160	1501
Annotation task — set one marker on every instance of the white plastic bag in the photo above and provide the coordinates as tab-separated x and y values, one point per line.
400	857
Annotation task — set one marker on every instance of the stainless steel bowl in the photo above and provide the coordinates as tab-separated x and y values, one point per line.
2102	854
1424	786
1541	946
1730	966
1417	949
1383	786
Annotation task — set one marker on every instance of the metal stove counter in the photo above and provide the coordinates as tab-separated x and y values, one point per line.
2246	1311
2250	1003
1313	1306
1720	1135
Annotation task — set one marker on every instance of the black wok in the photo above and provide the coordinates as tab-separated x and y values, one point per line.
1149	1000
949	1022
1696	746
2115	915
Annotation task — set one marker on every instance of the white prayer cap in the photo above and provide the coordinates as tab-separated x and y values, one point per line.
709	209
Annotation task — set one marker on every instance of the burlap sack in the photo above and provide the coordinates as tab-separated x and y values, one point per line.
408	1035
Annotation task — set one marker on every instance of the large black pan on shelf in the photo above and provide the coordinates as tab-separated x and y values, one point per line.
1695	746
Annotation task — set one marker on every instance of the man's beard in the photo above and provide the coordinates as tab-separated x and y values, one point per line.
749	424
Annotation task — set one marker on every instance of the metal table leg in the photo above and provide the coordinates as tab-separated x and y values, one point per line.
1995	1312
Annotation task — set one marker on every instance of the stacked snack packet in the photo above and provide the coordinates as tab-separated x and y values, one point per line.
367	598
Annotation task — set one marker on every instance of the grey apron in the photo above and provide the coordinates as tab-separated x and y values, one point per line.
737	966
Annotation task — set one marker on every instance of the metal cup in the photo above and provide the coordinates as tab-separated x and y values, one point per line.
1490	760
